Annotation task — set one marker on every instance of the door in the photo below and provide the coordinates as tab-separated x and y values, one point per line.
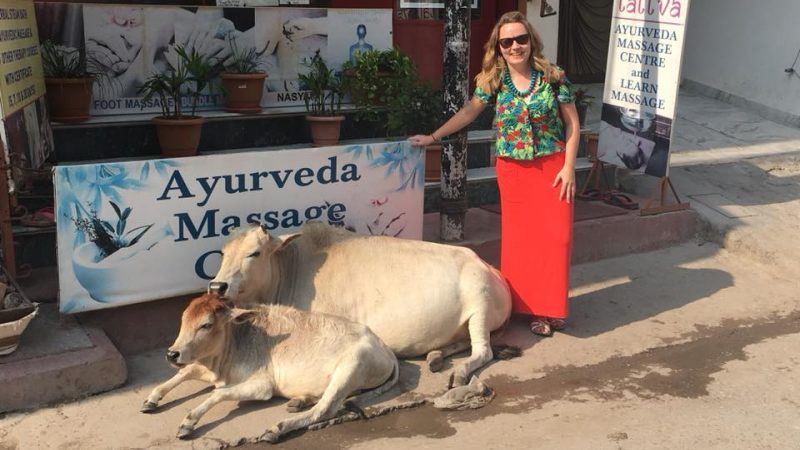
584	27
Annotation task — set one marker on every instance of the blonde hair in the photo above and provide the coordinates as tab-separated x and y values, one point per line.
494	64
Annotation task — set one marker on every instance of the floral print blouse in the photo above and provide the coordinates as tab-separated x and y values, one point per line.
529	127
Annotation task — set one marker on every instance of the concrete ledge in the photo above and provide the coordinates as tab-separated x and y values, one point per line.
608	237
594	239
50	374
142	326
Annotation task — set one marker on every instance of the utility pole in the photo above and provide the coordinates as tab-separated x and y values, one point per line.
453	186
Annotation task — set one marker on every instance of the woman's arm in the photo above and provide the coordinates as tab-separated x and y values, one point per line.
461	119
572	134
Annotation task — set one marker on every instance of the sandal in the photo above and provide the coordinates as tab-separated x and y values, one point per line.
590	194
541	327
620	200
557	324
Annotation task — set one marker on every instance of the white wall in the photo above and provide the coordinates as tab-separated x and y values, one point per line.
742	48
547	27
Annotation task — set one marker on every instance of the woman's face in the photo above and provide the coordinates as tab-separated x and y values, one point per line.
517	53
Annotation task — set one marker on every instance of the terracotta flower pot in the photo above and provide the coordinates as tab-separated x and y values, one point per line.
325	129
68	99
582	109
591	147
178	137
243	91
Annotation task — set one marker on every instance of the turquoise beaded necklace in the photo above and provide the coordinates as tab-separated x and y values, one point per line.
510	84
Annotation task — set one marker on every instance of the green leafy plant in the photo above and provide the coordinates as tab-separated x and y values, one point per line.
324	88
376	77
245	60
110	238
59	61
187	79
417	109
582	98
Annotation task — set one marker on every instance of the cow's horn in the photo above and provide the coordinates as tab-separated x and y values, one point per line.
264	228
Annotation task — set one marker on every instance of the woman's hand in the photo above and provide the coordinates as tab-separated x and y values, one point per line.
566	178
421	140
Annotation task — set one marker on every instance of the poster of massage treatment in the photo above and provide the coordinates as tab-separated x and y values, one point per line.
641	87
135	231
129	43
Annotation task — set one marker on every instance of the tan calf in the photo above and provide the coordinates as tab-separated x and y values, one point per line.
267	351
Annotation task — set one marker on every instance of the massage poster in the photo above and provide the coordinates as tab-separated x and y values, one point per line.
641	87
129	43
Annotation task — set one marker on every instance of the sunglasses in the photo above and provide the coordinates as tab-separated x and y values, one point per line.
522	39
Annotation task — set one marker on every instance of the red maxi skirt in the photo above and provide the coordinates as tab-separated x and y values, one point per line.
536	235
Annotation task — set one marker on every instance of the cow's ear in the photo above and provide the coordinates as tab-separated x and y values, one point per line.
240	316
286	240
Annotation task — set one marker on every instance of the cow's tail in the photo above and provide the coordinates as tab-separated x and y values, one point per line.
505	351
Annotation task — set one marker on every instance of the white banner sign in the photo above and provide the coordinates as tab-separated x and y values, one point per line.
136	231
132	42
641	88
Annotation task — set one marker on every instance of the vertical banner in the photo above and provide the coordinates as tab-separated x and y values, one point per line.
136	231
641	88
25	130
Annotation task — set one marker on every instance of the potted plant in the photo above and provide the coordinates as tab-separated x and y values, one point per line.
68	78
242	80
323	102
582	103
374	77
178	132
418	108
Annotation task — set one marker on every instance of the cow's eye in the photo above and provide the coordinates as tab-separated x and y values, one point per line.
206	326
255	254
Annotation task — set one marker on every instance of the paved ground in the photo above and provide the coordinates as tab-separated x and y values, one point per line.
693	346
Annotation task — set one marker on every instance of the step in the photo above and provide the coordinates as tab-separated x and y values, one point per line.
58	360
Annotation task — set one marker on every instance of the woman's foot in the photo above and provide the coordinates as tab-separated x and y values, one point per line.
540	326
557	324
544	326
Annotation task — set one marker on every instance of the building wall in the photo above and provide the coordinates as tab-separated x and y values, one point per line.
738	50
546	26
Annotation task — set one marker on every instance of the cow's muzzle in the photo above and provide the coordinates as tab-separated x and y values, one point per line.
217	287
172	356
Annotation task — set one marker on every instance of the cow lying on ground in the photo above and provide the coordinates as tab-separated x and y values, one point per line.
418	297
255	354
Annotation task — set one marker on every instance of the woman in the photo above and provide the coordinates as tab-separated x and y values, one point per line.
537	142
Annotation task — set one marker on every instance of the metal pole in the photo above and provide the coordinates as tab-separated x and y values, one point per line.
454	153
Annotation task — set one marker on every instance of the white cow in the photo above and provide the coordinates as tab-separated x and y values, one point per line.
266	351
418	297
